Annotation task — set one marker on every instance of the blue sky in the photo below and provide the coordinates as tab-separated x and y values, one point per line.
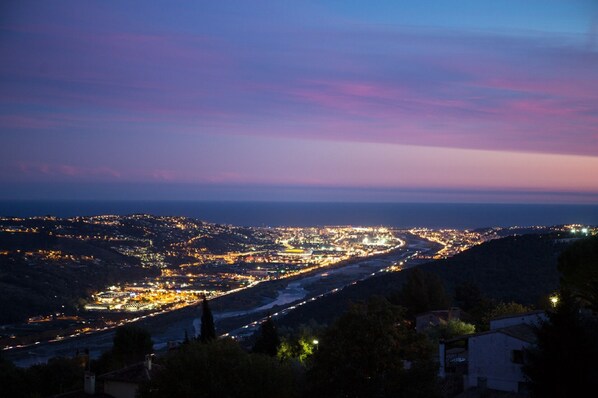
336	100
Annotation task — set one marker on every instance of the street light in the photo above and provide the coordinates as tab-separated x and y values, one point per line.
554	300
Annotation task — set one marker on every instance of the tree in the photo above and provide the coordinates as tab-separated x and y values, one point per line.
299	344
268	340
13	380
449	330
208	330
59	375
422	292
363	354
218	370
469	298
578	266
563	364
131	343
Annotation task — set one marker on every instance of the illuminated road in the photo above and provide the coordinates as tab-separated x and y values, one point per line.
295	293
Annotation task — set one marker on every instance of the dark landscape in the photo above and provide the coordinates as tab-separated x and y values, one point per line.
298	199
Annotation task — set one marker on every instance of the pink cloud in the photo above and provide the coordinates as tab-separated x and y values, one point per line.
164	175
26	122
66	170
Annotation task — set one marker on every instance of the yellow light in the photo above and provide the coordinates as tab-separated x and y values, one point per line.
554	300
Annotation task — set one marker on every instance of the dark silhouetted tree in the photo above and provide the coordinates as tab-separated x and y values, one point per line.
131	343
218	370
208	330
563	364
578	266
422	292
267	341
13	380
363	354
468	296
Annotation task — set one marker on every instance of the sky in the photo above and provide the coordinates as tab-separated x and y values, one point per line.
406	101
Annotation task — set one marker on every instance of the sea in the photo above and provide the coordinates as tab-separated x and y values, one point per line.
306	214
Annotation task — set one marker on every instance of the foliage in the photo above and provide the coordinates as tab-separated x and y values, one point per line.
57	376
268	340
363	355
208	330
503	309
220	368
422	292
300	349
299	344
470	298
564	362
131	343
579	271
13	381
449	330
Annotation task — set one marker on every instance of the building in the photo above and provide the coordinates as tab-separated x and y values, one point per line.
124	383
493	359
121	383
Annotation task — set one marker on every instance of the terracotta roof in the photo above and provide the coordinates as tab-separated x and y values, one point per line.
136	373
521	332
535	312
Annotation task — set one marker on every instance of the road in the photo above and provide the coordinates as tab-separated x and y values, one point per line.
238	323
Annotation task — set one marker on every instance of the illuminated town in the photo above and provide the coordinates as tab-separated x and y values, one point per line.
109	270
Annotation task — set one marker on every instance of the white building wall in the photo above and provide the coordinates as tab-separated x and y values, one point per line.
490	357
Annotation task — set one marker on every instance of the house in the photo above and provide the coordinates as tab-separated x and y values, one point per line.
125	382
493	359
121	383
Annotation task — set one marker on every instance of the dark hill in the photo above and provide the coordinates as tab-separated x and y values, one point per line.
517	268
33	283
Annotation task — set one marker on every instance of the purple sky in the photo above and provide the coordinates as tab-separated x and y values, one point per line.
273	100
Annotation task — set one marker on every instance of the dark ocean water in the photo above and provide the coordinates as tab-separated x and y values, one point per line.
318	214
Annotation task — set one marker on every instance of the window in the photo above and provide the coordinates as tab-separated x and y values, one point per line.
517	356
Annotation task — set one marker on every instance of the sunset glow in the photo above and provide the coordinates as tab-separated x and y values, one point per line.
333	101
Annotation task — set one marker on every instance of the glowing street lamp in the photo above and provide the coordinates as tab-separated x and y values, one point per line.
554	300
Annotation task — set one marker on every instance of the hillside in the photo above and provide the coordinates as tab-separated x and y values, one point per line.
519	268
43	273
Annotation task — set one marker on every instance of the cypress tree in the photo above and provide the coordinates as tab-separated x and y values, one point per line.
208	331
268	340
